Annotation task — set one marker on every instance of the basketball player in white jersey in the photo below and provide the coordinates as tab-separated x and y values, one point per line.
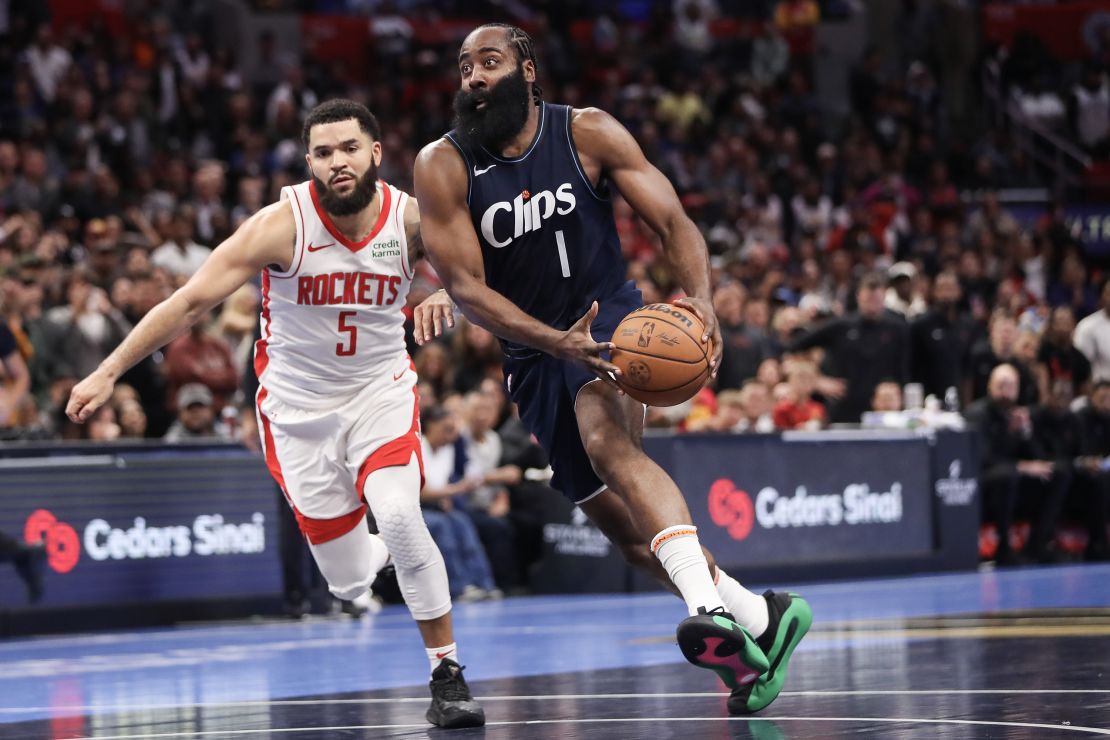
336	404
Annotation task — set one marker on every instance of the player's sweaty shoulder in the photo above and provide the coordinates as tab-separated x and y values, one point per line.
597	134
440	169
270	235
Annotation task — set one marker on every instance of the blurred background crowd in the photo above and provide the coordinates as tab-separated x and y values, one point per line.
894	196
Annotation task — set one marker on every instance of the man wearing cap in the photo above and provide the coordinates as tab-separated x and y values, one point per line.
900	297
196	418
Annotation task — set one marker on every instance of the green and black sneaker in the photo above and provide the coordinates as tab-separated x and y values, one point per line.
790	618
713	640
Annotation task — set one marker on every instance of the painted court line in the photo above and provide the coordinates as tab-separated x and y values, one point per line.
624	720
62	710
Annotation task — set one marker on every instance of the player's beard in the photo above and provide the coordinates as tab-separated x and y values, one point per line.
502	118
354	201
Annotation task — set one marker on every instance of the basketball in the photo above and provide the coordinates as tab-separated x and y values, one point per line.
660	354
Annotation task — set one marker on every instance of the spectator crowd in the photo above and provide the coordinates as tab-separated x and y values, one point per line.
851	254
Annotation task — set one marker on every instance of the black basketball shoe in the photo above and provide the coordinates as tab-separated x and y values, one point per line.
452	705
714	641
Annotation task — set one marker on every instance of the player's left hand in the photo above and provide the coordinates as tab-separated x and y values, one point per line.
703	309
433	314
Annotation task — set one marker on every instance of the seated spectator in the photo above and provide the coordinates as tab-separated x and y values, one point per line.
102	425
488	504
132	419
769	373
235	325
82	332
997	349
757	409
799	410
198	357
887	397
196	416
433	366
476	355
1092	336
1058	358
730	412
900	297
180	255
745	346
1091	494
1013	464
446	480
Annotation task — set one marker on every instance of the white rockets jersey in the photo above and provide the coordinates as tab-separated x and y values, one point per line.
333	322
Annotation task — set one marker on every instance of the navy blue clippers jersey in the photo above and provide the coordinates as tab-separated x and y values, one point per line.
549	241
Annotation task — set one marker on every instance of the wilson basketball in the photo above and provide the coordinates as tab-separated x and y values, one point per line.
660	354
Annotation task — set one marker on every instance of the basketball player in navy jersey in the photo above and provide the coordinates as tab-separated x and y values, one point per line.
516	219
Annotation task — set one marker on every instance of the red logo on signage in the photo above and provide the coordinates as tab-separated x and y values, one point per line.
731	508
63	549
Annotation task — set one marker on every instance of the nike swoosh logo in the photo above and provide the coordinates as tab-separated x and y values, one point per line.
441	656
482	172
318	247
395	378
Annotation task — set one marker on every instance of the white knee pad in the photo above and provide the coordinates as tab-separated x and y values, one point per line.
351	562
394	497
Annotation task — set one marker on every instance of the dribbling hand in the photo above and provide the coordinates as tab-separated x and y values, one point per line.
577	345
87	396
433	314
703	309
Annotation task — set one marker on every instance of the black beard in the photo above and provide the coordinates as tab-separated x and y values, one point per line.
350	204
502	118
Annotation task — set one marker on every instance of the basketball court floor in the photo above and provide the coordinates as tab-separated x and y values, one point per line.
1005	654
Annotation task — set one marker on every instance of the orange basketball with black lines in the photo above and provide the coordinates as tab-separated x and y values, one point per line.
660	354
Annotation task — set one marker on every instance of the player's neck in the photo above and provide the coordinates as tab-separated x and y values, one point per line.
358	225
520	143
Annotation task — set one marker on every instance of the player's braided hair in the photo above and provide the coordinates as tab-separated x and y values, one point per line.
525	49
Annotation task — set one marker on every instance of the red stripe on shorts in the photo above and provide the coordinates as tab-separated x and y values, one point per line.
317	531
396	452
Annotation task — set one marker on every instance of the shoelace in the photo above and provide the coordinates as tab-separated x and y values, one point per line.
715	610
452	689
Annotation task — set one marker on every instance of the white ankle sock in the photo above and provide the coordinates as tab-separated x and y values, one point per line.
435	655
747	608
680	553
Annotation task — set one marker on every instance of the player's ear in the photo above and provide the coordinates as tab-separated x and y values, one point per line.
529	71
376	152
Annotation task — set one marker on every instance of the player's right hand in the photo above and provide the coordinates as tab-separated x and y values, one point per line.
577	345
432	315
87	396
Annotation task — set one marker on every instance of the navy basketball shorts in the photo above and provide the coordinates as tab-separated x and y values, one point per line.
544	388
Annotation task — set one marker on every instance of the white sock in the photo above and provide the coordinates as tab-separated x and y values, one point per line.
435	655
747	608
680	553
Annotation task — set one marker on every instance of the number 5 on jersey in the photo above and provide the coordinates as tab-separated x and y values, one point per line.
347	348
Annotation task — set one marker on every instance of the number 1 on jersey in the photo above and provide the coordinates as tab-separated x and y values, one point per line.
352	334
562	245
